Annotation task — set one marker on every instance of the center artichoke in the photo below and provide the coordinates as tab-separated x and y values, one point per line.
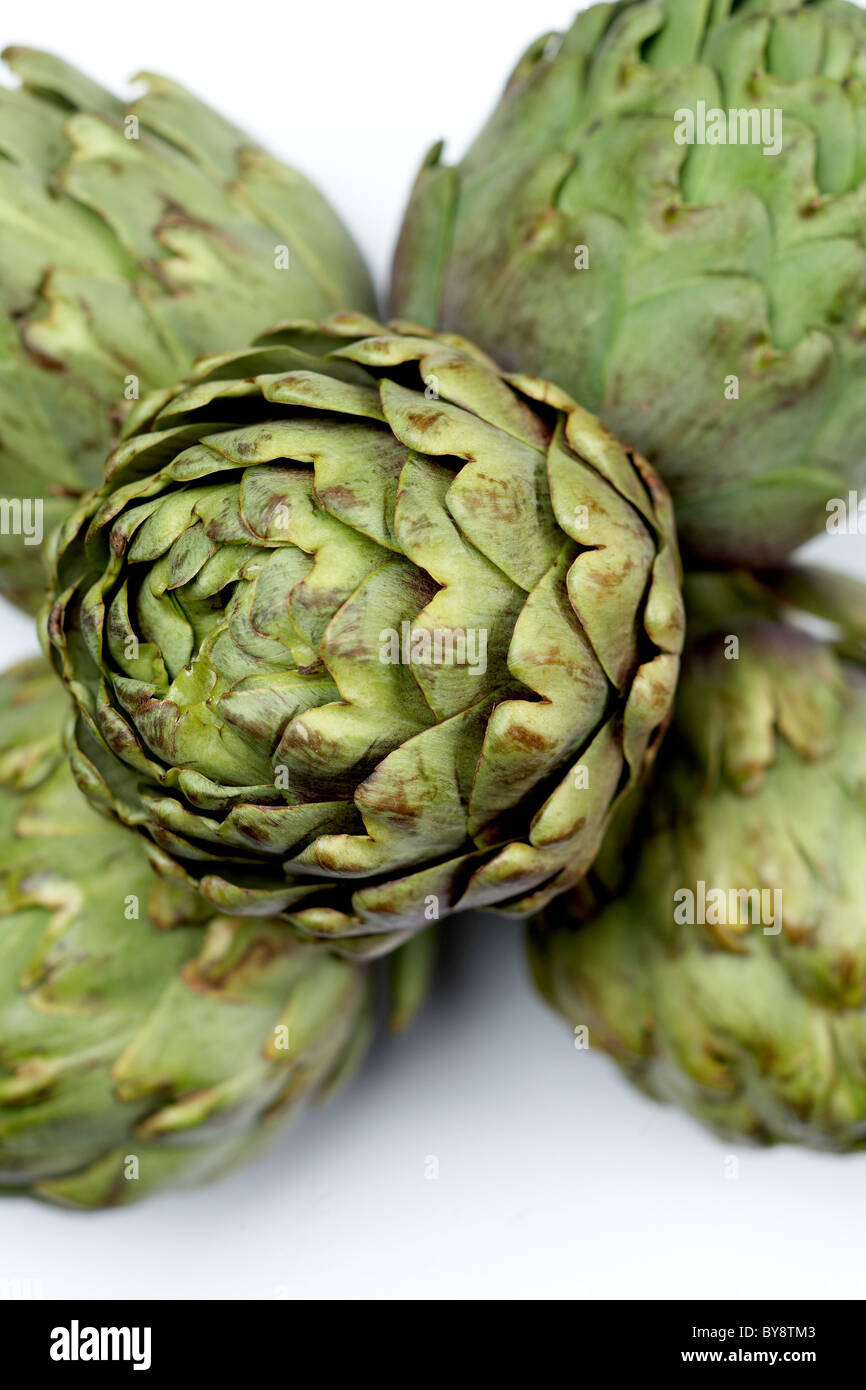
145	1041
363	632
134	236
703	290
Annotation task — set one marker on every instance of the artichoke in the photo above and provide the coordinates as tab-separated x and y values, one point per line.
731	978
133	238
707	300
362	632
145	1041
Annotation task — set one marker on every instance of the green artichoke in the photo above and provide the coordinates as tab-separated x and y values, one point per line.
707	300
362	632
731	978
133	238
144	1040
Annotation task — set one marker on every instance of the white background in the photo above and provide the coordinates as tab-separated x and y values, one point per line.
555	1179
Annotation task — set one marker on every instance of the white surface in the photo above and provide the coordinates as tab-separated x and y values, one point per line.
556	1180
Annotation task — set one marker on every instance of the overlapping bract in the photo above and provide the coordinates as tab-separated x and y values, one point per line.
720	323
133	238
363	633
145	1041
748	1012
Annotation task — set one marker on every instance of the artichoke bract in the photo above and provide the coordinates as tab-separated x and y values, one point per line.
134	236
666	214
731	977
145	1041
363	632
